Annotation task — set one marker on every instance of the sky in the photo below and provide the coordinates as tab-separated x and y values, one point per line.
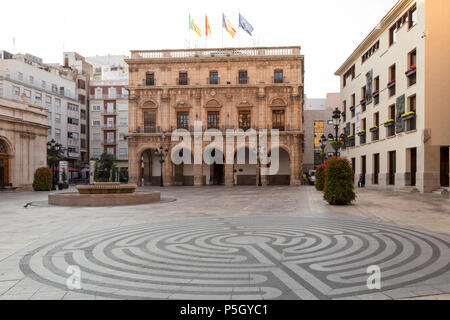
328	31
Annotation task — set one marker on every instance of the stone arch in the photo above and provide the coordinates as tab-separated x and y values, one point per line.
149	104
246	173
5	162
283	177
213	103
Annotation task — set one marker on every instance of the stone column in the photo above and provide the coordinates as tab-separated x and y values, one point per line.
229	175
428	168
198	175
295	162
264	178
168	172
134	165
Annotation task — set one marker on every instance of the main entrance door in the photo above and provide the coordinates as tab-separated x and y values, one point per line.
444	167
218	174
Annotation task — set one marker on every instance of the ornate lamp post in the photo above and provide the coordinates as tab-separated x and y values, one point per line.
336	138
260	150
322	141
54	151
162	154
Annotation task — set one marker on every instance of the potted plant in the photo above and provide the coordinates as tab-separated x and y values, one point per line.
373	129
352	108
337	144
42	179
350	136
65	185
389	123
409	115
390	83
411	70
361	133
363	101
376	93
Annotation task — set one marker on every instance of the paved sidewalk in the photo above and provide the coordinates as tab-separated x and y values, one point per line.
228	243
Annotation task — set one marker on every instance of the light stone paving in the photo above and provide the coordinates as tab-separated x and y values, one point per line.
220	243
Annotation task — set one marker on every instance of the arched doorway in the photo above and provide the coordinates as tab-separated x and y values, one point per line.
283	176
216	169
150	168
184	171
4	164
245	172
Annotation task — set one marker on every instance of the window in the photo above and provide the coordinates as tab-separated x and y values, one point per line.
278	76
61	91
110	151
123	122
213	119
124	92
83	114
243	79
123	152
363	98
411	122
392	167
352	107
122	106
319	130
278	119
213	77
349	73
31	79
58	103
83	129
95	123
54	88
150	122
38	97
244	120
72	107
48	100
412	17
72	121
183	120
112	93
20	76
393	34
72	135
391	116
362	138
110	107
98	93
27	93
58	135
95	107
82	99
371	51
43	84
96	152
183	79
96	137
411	72
376	168
83	143
376	91
392	79
16	91
57	117
149	79
81	84
121	136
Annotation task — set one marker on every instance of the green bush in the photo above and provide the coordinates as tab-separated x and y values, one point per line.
42	179
339	184
96	171
320	177
113	173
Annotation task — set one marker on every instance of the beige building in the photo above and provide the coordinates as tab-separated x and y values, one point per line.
23	142
395	97
232	88
317	122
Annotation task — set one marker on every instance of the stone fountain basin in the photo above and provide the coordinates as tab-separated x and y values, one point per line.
107	188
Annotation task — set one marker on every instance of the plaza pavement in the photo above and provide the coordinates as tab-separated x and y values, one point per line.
228	243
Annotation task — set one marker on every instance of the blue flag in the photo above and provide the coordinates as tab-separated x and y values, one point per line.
244	24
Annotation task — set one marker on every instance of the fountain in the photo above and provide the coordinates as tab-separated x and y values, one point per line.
104	194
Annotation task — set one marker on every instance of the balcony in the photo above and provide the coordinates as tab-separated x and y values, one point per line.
109	97
219	52
109	127
158	130
109	113
110	142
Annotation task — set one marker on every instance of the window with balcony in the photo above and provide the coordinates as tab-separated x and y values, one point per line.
363	98
83	114
183	79
112	93
72	121
278	76
213	77
412	17
278	120
16	91
81	84
149	121
150	79
392	78
183	120
390	124
245	120
376	91
411	72
72	107
213	119
393	35
83	129
243	78
410	116
352	107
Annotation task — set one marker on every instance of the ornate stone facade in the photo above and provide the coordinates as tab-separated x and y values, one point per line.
248	88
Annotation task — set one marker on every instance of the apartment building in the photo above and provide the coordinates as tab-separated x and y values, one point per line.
395	96
26	78
108	113
82	72
316	123
232	88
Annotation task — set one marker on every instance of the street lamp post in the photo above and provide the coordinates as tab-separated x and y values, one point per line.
336	137
259	151
162	154
322	141
53	157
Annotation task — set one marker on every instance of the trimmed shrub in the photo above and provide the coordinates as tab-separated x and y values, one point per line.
42	179
320	177
339	184
113	173
96	171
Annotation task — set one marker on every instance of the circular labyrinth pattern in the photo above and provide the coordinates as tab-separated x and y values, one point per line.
241	258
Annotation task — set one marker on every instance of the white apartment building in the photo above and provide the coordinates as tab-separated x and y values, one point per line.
108	112
26	78
395	97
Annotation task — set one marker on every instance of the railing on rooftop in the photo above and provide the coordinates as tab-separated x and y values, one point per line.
221	52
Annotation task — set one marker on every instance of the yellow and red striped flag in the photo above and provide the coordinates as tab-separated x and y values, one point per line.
194	27
207	27
227	25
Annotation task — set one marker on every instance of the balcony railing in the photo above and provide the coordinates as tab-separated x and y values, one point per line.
223	129
109	113
109	127
219	52
108	97
109	142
